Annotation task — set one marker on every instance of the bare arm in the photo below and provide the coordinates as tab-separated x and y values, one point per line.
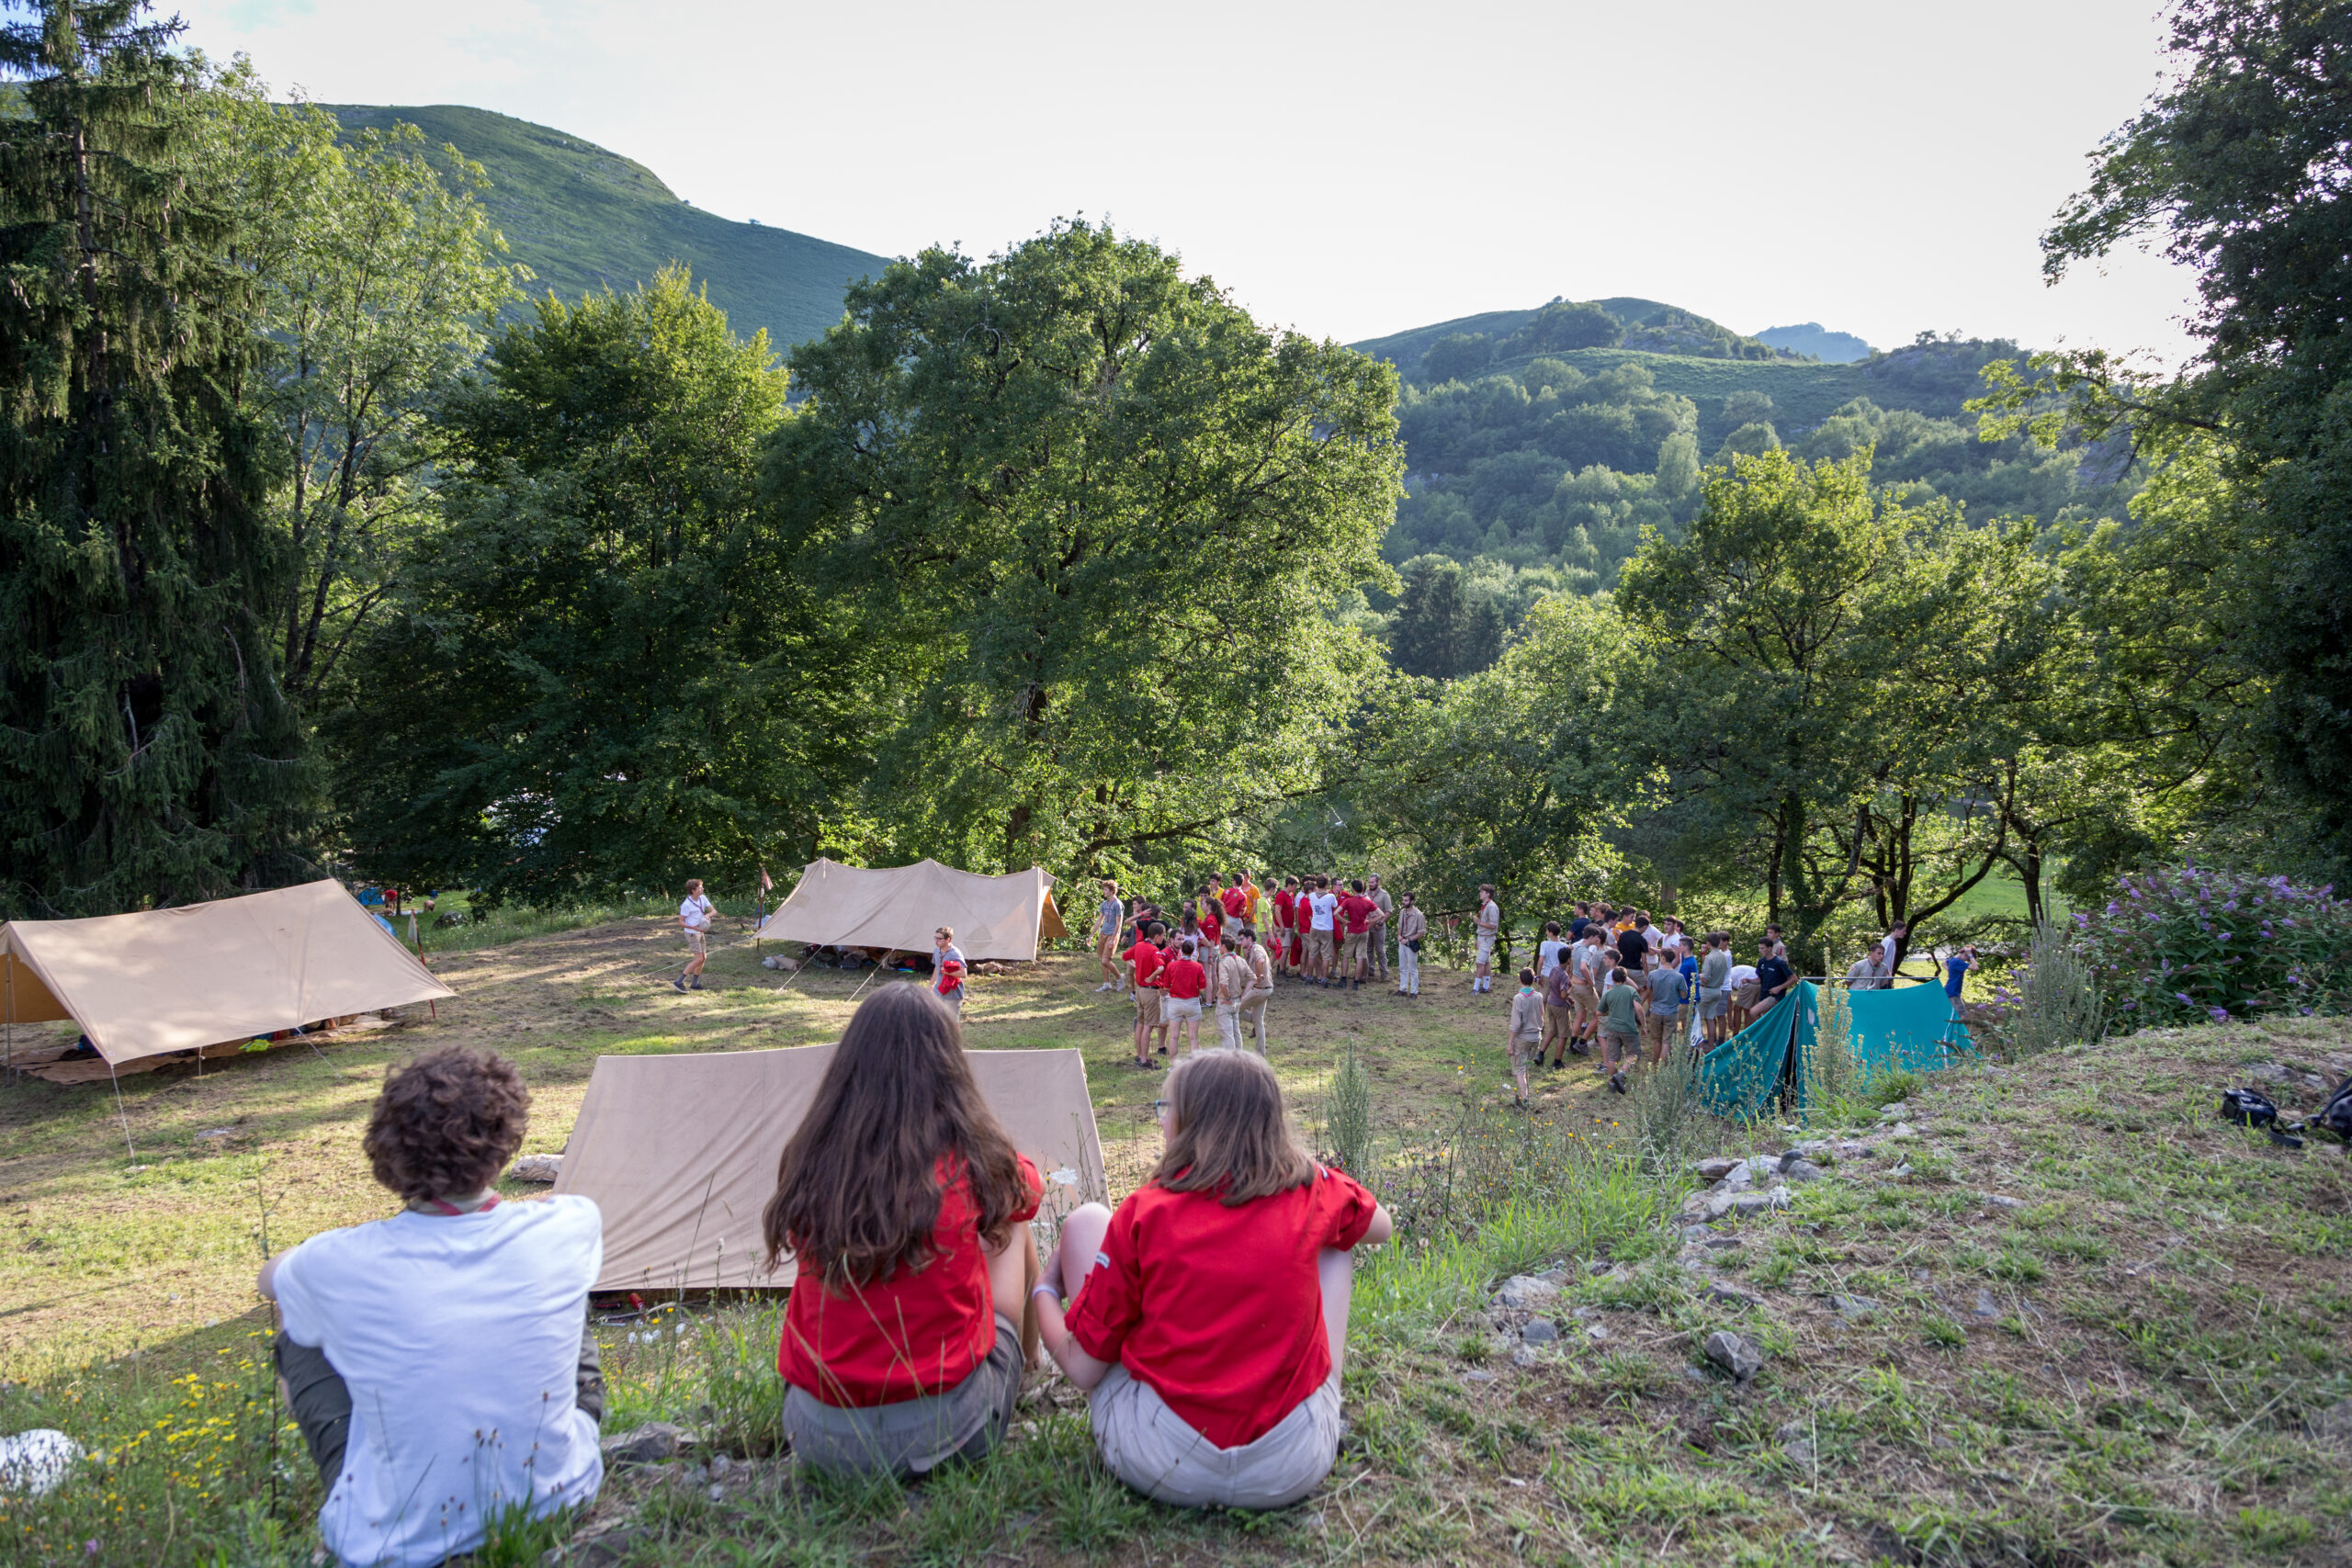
267	1283
1053	1329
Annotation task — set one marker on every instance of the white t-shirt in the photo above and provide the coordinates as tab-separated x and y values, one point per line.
1588	960
1740	975
1547	956
1490	916
1322	907
696	913
459	1337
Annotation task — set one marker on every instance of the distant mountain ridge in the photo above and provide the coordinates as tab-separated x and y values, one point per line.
583	218
1813	339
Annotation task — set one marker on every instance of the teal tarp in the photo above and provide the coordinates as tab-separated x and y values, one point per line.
1739	1078
1911	1027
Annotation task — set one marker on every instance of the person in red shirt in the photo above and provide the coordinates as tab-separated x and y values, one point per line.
1235	901
906	1211
1286	902
1145	958
1211	1311
1187	979
1355	916
1211	924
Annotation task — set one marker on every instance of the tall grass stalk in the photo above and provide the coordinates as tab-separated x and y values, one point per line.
1835	1086
1348	1118
1663	1111
2058	1001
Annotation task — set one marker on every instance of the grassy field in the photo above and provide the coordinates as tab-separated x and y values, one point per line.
2076	1319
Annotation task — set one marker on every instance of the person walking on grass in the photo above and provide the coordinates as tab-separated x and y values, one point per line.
906	1210
405	1340
693	918
1620	1027
1286	954
1323	912
1526	1032
944	951
1232	983
1662	1004
1412	929
1714	983
1208	1316
1490	925
1261	988
1559	1013
1355	916
1382	927
1588	967
1547	952
1146	959
1106	943
1187	979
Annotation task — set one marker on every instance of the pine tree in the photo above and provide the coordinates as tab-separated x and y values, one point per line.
147	753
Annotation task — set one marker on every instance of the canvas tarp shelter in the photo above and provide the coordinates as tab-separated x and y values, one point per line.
680	1152
163	980
899	906
1910	1026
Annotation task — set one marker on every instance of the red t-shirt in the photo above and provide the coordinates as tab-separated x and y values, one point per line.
1212	928
1283	901
1220	1309
1186	979
1235	901
915	1331
1358	909
1147	958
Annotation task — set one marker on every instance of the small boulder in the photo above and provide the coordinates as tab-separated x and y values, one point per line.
1540	1331
652	1443
1895	1112
2333	1425
1902	1132
536	1168
1525	1292
1736	1354
1985	1306
1731	1295
1802	1170
1995	1200
1524	1356
1714	1170
1801	1452
1854	1309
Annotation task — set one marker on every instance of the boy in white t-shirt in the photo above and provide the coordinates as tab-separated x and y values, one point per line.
1323	909
693	918
439	1363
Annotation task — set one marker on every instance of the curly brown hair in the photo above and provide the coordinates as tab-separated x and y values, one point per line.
447	1123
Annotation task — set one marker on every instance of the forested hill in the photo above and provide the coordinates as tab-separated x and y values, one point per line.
583	218
1535	463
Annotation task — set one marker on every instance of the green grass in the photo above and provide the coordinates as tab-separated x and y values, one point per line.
583	218
2114	1372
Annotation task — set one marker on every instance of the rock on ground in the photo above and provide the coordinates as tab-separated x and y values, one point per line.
1736	1353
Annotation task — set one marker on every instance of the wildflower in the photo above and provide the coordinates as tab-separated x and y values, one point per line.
2221	1015
2184	1000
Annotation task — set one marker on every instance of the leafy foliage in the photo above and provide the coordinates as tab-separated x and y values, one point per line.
1096	513
2191	941
604	673
147	752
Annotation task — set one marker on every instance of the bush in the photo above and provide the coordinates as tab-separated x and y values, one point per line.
2194	944
1348	1118
2057	1002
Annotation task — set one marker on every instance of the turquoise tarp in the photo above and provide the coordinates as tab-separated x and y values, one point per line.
1911	1026
1739	1078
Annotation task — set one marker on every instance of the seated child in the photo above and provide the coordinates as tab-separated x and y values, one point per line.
1211	1311
439	1363
907	1213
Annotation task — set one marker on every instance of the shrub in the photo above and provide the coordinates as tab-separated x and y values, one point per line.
2057	1002
1348	1117
2195	942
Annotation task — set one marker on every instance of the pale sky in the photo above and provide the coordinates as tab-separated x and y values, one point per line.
1348	169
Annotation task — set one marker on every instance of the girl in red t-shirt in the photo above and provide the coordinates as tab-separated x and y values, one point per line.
1211	1311
906	1211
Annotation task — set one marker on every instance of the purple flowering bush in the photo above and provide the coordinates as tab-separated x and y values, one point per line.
2191	944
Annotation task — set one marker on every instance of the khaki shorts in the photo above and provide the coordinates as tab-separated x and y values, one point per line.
1152	1448
1176	1009
1522	1050
697	943
1747	994
1587	997
1658	1028
1351	956
913	1437
1486	947
1148	1005
1318	944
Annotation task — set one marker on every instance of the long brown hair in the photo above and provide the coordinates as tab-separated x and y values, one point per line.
857	1190
1229	1135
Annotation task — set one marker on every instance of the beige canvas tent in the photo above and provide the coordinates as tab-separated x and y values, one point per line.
899	906
680	1152
164	980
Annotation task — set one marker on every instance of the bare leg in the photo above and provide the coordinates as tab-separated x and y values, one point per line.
1336	1270
1012	1268
1081	1239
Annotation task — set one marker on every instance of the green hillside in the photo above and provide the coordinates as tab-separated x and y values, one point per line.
583	218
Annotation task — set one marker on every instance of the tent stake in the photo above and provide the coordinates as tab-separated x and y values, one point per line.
120	1111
